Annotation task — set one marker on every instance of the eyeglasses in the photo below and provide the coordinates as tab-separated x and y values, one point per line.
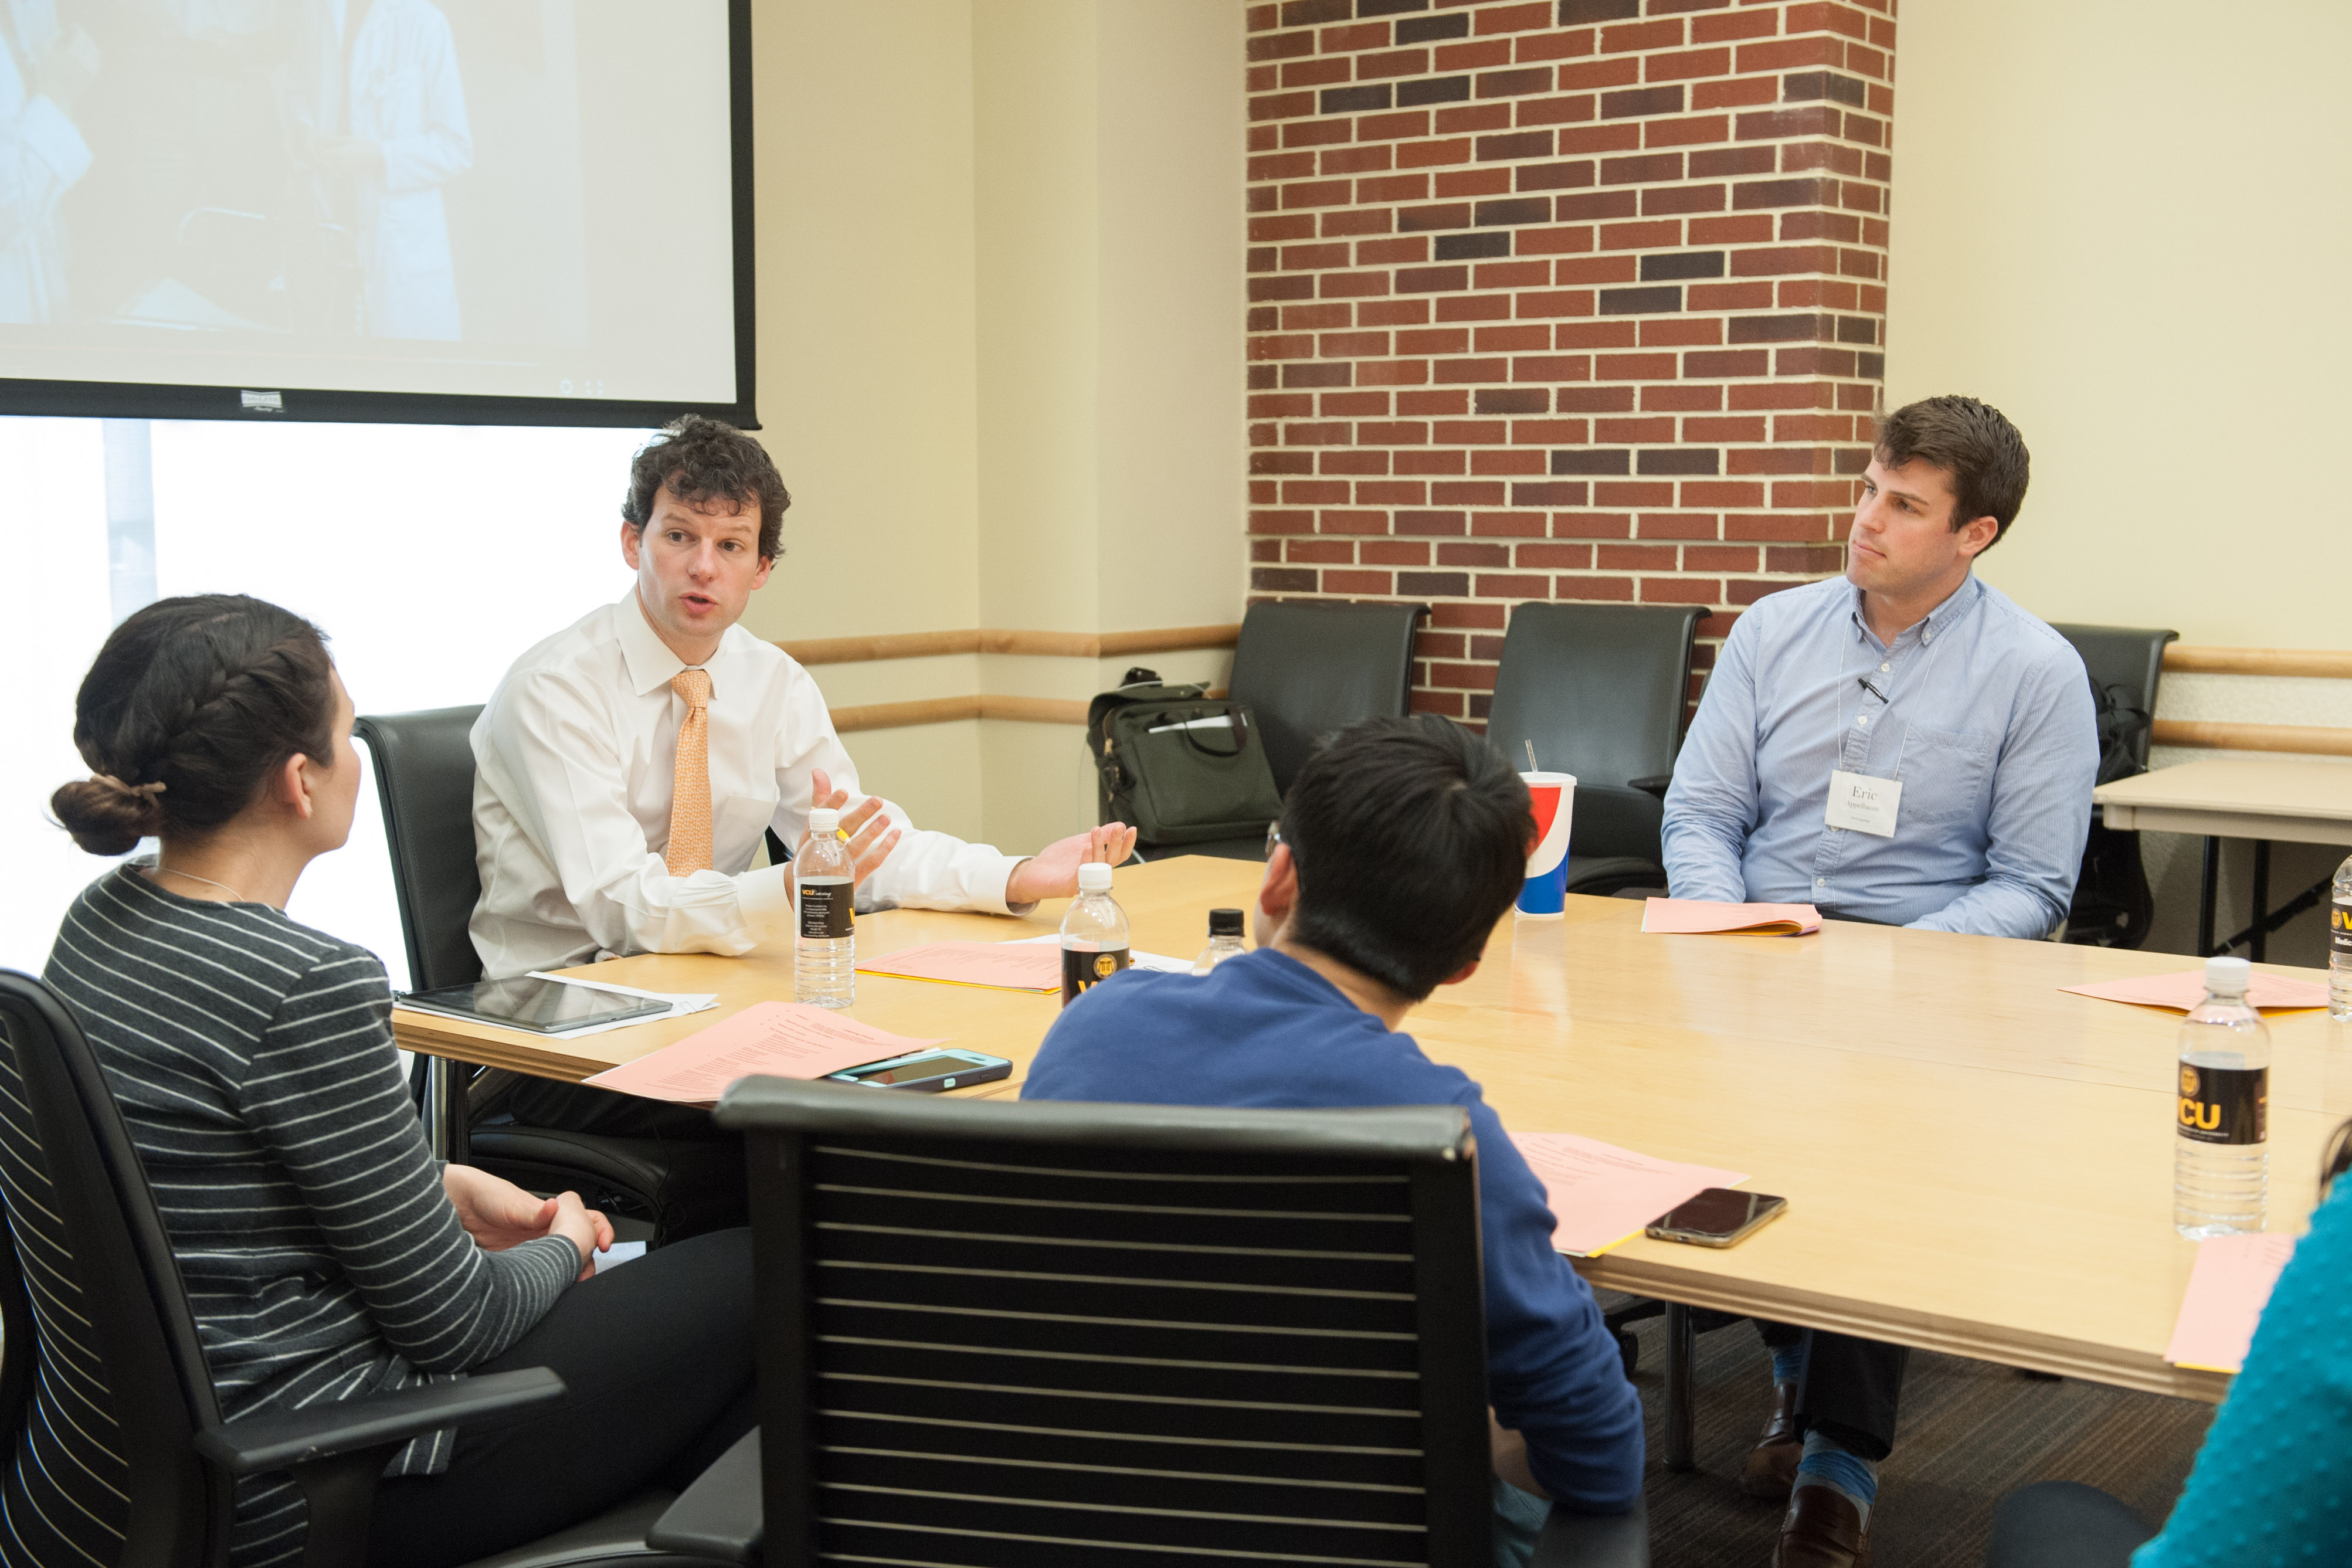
1273	838
2337	1160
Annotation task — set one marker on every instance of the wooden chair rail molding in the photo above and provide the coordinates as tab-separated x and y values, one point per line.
989	639
947	709
2310	739
2186	659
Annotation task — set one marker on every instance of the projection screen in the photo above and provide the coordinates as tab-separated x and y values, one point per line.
455	211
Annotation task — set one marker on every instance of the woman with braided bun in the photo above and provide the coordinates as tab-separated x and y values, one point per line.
325	1255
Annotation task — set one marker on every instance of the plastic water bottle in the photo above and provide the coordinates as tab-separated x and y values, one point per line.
1094	934
824	968
1224	941
2339	946
2220	1165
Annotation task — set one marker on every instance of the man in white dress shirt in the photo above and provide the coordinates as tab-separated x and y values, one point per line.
662	701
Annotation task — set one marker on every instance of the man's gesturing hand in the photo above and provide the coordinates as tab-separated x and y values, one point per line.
871	836
1053	871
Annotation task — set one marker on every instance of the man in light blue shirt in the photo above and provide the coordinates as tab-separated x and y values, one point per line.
1910	670
1902	745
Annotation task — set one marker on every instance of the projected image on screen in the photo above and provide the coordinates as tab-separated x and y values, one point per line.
498	198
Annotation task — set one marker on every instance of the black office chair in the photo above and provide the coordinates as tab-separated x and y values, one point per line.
1306	669
1045	1334
1599	690
2113	904
425	778
121	1456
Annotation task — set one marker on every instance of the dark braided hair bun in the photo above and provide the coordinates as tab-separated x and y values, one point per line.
189	708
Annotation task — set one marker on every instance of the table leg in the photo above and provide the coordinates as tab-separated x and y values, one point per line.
1682	1400
2208	886
445	1131
2262	900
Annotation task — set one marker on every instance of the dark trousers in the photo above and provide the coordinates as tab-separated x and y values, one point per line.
1851	1387
655	1357
2064	1524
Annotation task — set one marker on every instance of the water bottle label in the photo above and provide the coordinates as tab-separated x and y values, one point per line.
2225	1105
2339	928
828	910
1082	972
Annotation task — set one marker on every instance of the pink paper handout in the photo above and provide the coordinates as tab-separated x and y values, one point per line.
2185	989
2227	1291
1698	917
779	1039
1601	1195
1004	965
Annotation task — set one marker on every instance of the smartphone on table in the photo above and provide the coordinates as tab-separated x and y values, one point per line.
926	1071
1718	1217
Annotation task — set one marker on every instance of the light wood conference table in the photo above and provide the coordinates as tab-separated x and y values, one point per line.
2302	800
1976	1162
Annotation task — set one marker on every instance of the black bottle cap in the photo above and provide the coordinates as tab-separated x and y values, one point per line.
1225	922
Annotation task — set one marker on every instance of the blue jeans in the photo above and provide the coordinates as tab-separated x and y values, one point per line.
1519	1519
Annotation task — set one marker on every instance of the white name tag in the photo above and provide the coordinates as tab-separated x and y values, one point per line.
1863	804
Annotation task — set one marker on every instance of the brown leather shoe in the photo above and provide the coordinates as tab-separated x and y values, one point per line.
1822	1530
1771	1467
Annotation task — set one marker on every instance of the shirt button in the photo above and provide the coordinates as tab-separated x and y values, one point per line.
1926	637
1820	881
1863	722
1885	668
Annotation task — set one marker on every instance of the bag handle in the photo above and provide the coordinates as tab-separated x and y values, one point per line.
1240	727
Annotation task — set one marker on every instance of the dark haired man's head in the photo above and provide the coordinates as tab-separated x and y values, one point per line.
710	466
700	527
1407	840
191	710
1943	485
1984	461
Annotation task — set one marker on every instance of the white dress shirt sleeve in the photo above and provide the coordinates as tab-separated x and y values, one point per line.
549	734
927	870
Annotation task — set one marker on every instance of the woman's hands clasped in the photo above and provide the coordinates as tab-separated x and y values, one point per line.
499	1215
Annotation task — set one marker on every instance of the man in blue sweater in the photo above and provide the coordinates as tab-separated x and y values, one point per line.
1402	843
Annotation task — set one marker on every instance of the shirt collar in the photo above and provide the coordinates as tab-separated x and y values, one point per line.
650	662
1934	624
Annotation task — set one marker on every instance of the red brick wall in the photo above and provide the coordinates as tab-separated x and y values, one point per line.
1560	300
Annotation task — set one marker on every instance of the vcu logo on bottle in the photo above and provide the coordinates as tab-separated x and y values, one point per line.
1082	972
2225	1105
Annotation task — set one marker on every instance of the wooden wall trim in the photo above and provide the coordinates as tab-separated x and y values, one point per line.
987	639
2310	739
947	709
2327	663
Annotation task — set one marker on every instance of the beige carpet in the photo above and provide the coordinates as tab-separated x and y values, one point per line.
1970	1433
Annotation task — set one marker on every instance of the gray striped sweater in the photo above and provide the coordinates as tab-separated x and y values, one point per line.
254	1062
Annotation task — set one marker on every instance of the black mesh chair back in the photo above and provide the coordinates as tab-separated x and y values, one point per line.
1048	1335
425	778
2113	904
1599	691
2128	659
1306	669
116	1477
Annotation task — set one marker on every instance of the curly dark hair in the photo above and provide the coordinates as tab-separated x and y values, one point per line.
1974	443
705	461
189	708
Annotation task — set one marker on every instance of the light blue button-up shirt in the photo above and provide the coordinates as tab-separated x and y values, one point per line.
1983	712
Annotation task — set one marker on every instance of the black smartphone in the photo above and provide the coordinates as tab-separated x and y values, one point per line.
1718	1217
928	1072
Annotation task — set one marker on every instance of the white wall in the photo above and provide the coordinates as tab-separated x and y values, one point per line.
2123	222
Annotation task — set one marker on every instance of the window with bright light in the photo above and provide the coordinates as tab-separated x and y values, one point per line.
430	555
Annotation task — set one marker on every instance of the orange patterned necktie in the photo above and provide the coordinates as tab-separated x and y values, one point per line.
689	800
